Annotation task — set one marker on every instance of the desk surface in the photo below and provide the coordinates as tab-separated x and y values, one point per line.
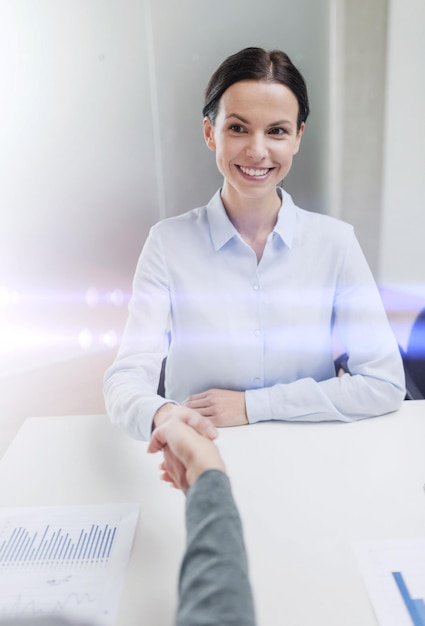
306	492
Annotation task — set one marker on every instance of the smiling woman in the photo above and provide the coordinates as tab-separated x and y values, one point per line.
245	295
255	137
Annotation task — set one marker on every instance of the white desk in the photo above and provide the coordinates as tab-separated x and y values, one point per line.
305	493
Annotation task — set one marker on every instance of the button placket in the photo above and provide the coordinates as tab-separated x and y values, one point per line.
257	379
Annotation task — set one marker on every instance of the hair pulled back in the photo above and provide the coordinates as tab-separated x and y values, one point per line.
256	64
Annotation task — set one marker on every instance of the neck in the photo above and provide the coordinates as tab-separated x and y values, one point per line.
254	219
251	214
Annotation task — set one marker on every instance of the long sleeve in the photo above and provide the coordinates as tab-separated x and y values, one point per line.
375	384
131	382
214	586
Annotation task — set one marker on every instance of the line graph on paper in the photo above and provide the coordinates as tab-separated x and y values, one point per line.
68	603
65	561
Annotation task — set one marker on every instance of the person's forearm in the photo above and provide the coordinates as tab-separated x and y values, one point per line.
345	398
214	586
130	402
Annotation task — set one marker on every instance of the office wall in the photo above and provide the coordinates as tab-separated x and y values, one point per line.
101	123
360	34
75	141
402	254
101	136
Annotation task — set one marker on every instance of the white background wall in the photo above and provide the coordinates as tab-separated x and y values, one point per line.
402	246
101	136
100	122
75	141
359	87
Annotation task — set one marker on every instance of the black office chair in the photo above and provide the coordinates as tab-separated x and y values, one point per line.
414	360
161	382
341	364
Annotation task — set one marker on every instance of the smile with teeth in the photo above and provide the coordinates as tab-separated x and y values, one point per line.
249	171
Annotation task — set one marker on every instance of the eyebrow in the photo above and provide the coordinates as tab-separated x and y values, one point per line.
245	121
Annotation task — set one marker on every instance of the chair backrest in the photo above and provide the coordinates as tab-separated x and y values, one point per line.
414	358
412	390
161	382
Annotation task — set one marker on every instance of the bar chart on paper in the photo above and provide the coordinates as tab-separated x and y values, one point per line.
65	561
38	545
394	572
415	606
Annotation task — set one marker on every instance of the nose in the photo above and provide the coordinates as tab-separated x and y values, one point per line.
256	149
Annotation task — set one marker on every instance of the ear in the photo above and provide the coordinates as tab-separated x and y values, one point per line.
298	139
209	134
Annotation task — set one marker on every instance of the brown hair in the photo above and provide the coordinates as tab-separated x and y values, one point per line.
256	64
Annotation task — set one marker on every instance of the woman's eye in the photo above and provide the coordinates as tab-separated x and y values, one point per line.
237	128
278	131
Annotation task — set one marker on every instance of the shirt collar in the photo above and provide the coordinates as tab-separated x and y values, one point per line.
222	229
285	225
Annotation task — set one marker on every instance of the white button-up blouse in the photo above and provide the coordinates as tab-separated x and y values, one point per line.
267	328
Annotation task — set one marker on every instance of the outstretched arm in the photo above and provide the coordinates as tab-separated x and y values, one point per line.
214	586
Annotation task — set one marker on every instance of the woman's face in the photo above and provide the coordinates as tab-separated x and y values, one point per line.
255	138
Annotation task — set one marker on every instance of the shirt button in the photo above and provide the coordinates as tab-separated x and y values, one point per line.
257	333
255	287
257	381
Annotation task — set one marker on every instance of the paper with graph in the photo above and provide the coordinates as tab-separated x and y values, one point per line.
65	562
394	572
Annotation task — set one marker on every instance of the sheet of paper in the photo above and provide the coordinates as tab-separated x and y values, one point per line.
394	572
65	562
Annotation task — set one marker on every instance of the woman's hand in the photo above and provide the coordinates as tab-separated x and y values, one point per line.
169	411
187	454
221	406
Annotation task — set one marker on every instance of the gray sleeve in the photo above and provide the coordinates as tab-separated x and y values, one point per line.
214	586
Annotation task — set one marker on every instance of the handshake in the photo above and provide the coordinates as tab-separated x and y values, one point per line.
187	453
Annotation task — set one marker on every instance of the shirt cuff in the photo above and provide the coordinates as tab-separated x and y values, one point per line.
144	426
257	404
